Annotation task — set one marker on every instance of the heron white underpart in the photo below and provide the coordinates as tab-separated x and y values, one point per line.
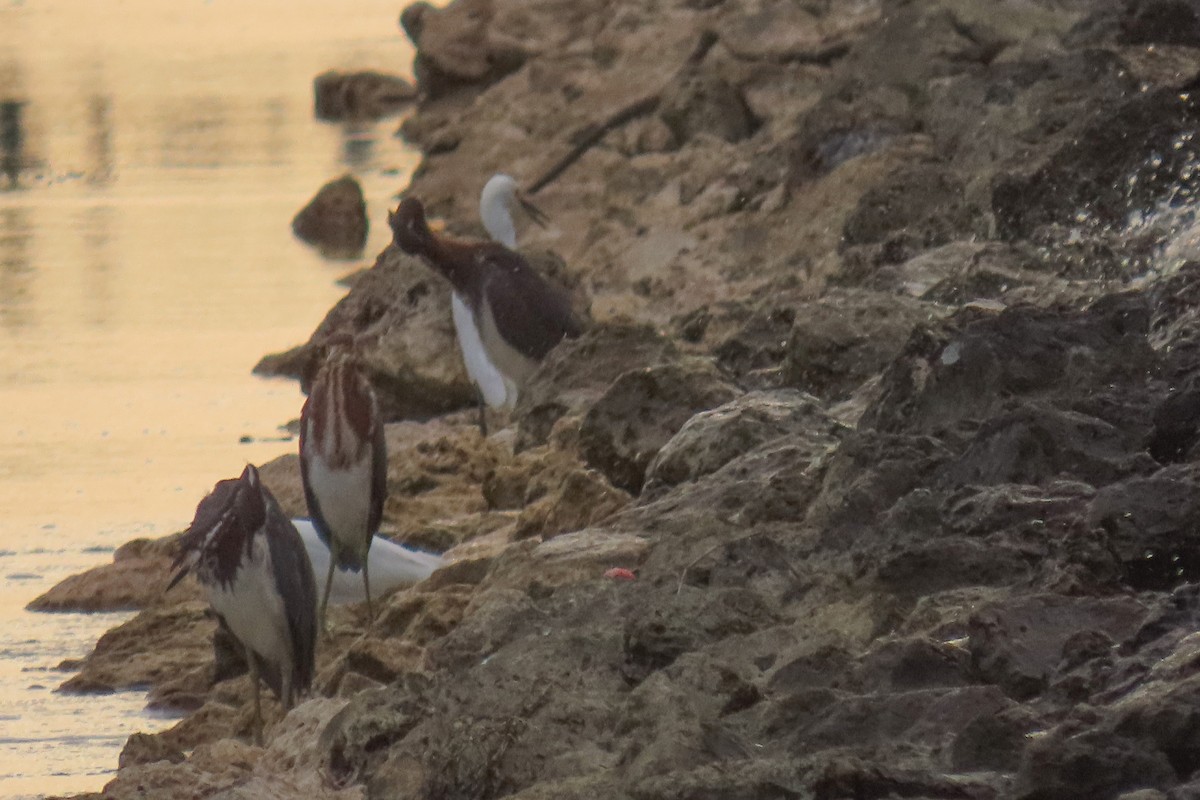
392	566
496	201
482	371
343	463
252	563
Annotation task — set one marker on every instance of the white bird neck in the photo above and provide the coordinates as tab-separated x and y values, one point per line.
494	211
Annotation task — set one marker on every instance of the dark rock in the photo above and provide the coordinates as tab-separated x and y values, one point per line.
1175	335
339	96
846	126
143	748
1019	644
1018	109
701	102
713	438
930	716
1151	523
993	741
849	777
913	569
953	274
655	636
868	473
1170	718
912	664
335	220
1035	444
579	371
1126	161
747	337
967	369
775	482
1088	766
1176	426
623	431
356	737
1161	22
456	46
848	336
923	205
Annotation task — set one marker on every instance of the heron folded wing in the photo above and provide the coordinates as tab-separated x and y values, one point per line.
296	584
531	314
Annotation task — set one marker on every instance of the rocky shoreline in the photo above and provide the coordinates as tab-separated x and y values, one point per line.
889	404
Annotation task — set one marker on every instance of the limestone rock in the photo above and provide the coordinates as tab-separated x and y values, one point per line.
922	202
399	313
579	371
335	220
581	499
702	102
623	431
136	578
456	45
181	634
339	96
566	559
711	439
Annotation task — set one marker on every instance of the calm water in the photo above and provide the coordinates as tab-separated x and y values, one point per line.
146	263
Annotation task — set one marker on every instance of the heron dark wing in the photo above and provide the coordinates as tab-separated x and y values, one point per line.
378	474
530	313
209	514
296	584
310	496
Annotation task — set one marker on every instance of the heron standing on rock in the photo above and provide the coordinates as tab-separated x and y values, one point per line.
343	463
250	560
496	201
509	317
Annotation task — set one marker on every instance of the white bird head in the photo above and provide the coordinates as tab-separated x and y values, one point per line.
495	209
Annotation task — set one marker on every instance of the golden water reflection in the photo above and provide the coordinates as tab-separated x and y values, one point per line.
146	263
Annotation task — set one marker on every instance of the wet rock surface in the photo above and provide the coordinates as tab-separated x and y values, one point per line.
358	96
335	220
876	475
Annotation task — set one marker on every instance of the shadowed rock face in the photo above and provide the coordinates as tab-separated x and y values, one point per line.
335	220
399	316
877	474
358	96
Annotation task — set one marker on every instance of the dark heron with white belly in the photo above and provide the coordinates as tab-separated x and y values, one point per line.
343	462
251	561
517	316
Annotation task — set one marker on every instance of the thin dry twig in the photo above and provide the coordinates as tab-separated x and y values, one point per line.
590	135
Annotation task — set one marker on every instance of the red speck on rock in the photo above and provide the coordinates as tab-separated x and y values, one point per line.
620	574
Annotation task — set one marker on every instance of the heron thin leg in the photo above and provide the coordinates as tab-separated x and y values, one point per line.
252	663
285	686
328	586
367	590
483	430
